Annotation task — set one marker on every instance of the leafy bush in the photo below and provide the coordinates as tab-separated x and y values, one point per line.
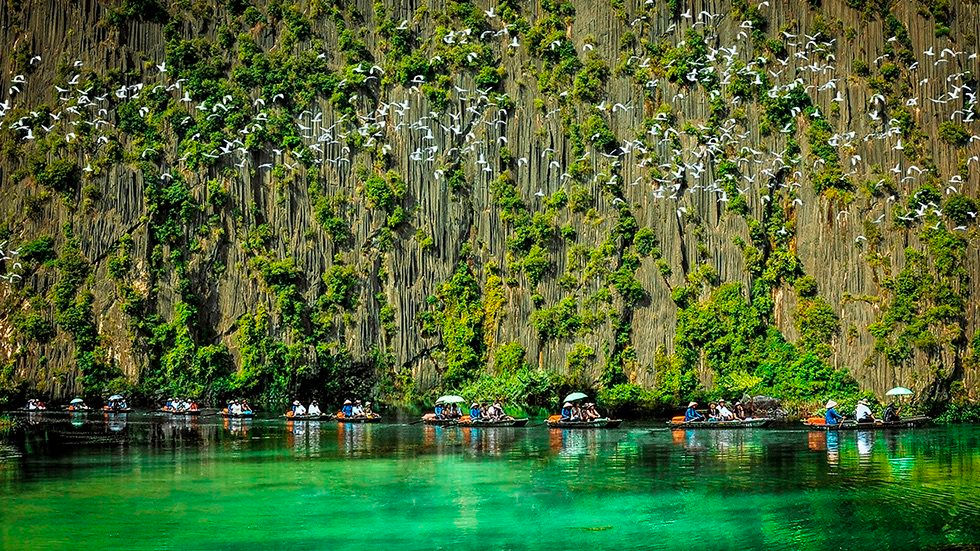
39	250
953	133
61	175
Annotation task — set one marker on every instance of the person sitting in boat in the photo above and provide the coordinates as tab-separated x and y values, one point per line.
439	409
246	409
368	411
358	410
193	406
347	409
739	411
235	408
712	411
863	413
832	417
890	414
692	414
498	411
724	413
298	409
169	406
590	413
314	409
566	411
474	411
77	405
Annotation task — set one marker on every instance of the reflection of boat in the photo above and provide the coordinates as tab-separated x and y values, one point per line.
555	422
850	424
108	409
373	418
735	424
324	417
116	421
465	421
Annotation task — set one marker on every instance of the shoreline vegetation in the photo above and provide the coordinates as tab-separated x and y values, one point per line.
268	141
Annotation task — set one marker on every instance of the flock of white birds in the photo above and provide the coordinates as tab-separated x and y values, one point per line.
659	164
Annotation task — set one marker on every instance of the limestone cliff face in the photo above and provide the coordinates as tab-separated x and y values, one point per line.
664	170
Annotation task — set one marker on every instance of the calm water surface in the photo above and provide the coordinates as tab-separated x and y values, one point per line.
146	481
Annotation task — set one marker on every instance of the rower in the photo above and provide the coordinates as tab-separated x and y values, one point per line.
566	411
348	409
438	411
832	417
863	413
314	408
474	411
692	414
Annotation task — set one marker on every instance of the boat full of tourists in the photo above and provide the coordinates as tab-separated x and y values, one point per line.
481	415
116	404
718	416
577	414
356	412
237	409
299	412
180	407
864	418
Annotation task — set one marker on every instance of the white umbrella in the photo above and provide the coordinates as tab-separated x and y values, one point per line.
575	396
899	391
115	397
77	401
450	399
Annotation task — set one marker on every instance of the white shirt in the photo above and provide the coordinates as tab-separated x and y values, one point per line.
314	409
358	410
724	413
300	410
862	411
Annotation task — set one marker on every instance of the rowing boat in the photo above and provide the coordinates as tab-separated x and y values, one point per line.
602	423
734	424
182	412
324	417
479	423
244	415
850	424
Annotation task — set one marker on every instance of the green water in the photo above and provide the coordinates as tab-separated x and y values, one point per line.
149	482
